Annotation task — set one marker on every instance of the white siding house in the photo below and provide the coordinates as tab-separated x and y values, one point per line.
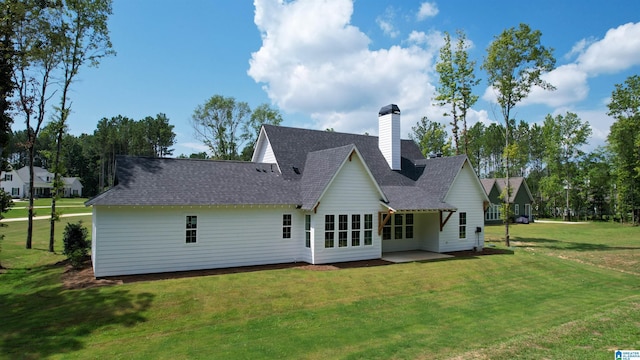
224	237
16	183
307	196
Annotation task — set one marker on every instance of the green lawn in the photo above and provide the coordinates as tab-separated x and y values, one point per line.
43	207
564	292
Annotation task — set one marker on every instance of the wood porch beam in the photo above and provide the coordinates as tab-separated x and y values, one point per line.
443	223
383	221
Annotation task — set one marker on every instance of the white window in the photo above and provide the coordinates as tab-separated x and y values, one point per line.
192	229
368	229
329	228
493	212
463	225
286	226
15	191
307	231
516	209
352	230
399	226
8	177
408	230
355	230
343	230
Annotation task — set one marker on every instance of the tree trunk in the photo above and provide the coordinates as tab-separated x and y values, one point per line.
56	189
508	195
31	195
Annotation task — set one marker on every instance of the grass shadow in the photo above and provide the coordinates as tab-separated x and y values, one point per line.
568	245
51	320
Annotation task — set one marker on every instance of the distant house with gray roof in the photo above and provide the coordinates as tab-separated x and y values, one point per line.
307	196
16	183
520	199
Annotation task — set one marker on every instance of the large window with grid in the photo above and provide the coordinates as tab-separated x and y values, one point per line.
493	212
351	230
192	229
398	227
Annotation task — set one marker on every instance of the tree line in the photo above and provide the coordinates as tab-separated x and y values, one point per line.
564	179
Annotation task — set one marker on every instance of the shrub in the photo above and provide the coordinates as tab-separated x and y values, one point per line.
76	245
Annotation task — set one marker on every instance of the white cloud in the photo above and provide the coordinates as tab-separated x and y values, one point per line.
385	22
617	51
571	87
427	9
578	48
322	66
434	40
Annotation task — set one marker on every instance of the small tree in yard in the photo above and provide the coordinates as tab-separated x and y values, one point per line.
76	245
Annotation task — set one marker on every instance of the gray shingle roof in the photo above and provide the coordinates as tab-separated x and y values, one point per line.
422	184
320	168
291	146
307	159
152	181
514	182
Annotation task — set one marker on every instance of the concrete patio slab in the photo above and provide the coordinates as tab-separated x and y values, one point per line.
410	256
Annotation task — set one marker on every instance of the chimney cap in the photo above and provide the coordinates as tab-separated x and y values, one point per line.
389	109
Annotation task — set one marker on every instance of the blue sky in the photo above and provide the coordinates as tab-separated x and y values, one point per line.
334	63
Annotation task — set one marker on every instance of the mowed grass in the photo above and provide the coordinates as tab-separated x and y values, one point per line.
545	298
20	208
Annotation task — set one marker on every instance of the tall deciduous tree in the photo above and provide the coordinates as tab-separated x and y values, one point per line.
218	123
38	52
7	86
229	128
515	63
457	79
564	137
84	39
624	143
431	136
263	114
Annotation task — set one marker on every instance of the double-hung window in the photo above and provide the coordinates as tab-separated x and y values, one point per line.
307	231
355	230
343	230
408	231
329	228
463	225
286	226
368	229
398	226
192	229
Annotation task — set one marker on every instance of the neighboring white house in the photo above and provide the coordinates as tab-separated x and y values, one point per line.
16	183
307	196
